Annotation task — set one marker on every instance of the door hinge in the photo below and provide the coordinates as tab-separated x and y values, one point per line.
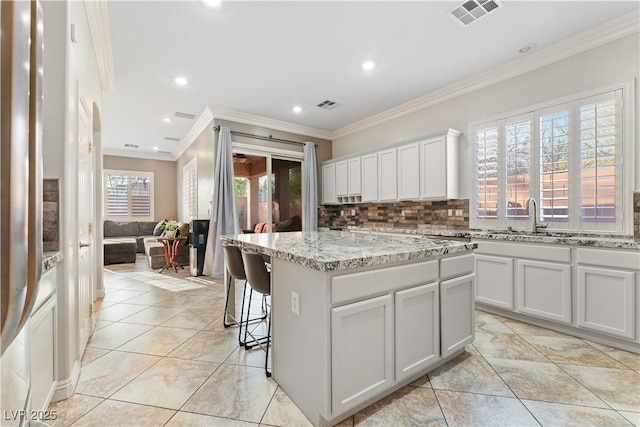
90	228
90	146
90	310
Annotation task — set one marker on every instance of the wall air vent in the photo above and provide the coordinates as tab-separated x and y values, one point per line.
328	105
472	10
131	145
171	138
184	115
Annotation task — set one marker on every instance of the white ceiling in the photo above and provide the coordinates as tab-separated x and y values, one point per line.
262	58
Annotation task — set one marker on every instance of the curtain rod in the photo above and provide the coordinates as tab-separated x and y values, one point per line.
263	138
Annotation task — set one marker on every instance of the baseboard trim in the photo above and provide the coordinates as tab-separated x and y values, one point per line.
65	388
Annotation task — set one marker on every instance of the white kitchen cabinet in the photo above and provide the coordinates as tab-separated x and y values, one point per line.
329	184
439	167
457	304
342	179
369	164
417	329
387	175
355	179
544	290
494	277
409	172
361	351
606	300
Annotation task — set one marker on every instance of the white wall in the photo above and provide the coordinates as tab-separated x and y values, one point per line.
615	62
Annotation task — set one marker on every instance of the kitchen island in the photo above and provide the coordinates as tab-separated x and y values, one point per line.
357	316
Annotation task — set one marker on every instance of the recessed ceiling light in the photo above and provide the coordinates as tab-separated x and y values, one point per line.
181	81
368	65
527	48
297	109
212	3
166	120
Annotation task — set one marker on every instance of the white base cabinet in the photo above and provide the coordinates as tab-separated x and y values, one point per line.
457	305
494	281
544	290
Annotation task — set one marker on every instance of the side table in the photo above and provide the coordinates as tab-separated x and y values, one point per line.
171	252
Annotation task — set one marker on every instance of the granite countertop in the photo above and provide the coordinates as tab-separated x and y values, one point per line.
343	250
553	238
50	260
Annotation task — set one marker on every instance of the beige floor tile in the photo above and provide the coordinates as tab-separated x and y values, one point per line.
506	346
105	376
543	381
346	423
283	412
620	388
99	304
423	381
218	326
121	295
119	311
68	411
153	315
192	319
486	322
571	350
214	303
254	357
409	406
252	392
469	372
521	328
557	414
112	413
632	417
159	341
207	346
467	409
102	323
172	382
113	336
181	301
188	419
91	354
150	298
630	360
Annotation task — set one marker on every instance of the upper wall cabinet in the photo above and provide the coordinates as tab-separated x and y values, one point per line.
425	169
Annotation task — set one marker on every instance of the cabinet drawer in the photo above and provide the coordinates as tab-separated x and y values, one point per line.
456	266
348	287
612	259
525	250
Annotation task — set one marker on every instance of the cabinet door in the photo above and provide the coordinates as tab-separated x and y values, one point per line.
387	175
606	300
342	178
362	351
544	290
433	168
43	355
457	305
355	177
370	177
329	184
409	172
494	281
417	329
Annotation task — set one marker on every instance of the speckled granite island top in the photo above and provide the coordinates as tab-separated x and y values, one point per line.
342	250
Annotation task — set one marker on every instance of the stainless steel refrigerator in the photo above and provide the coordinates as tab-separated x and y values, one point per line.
21	197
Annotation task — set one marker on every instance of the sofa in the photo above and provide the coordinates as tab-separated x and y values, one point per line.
124	239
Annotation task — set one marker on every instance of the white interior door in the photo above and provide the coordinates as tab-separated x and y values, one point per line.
85	228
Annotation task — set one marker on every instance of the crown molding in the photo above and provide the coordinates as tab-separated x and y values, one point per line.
608	32
137	154
201	123
251	119
98	20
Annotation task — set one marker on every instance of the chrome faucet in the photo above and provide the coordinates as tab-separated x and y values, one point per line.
534	224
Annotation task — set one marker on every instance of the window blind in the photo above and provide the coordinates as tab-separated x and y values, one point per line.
190	190
486	188
128	195
554	166
518	163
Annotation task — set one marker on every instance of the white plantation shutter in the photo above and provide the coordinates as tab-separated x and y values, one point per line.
486	167
518	167
190	190
128	195
554	165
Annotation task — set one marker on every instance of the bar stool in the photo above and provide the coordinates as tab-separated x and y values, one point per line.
235	268
260	281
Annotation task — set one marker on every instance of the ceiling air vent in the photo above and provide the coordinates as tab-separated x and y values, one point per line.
328	105
184	115
472	10
131	145
163	152
171	138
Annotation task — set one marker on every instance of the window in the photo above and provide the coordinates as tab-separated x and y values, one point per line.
128	195
567	156
190	190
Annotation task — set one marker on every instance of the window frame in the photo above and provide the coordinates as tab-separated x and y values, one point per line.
625	137
128	174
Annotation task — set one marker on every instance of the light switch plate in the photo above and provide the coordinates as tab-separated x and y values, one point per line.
295	303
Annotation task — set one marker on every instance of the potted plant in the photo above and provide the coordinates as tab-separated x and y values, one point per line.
170	228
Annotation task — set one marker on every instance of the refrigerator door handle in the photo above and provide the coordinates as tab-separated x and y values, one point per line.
84	245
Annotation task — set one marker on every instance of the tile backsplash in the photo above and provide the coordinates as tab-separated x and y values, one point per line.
50	215
636	214
424	215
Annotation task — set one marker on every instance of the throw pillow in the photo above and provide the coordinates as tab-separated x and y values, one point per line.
159	228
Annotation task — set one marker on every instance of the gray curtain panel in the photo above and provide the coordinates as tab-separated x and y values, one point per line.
224	218
310	183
